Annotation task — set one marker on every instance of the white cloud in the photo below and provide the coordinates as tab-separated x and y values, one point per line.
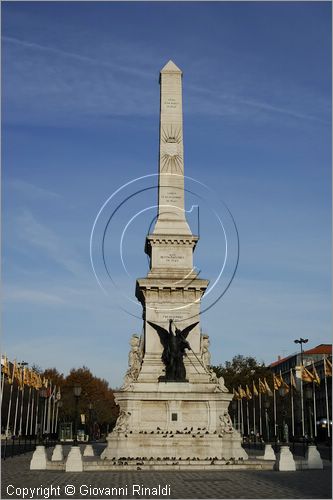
17	294
38	235
29	190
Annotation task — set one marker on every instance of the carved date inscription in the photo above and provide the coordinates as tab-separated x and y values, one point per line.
171	103
171	258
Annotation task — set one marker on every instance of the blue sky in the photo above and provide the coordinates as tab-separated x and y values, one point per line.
80	119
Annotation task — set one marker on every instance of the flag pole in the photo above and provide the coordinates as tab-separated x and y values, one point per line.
37	407
254	416
292	405
242	417
53	408
16	408
56	419
326	398
260	421
32	410
28	413
2	385
302	403
48	427
44	416
274	408
9	407
21	415
314	409
247	418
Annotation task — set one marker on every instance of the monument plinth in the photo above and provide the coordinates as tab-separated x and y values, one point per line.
171	403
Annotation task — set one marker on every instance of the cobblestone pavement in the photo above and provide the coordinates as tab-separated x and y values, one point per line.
205	484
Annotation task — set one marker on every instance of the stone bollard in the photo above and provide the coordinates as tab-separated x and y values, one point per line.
313	458
285	460
38	461
74	460
269	453
57	453
88	451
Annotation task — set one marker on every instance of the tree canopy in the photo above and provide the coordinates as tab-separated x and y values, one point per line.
241	370
96	396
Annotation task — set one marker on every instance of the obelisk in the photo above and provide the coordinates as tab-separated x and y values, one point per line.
171	215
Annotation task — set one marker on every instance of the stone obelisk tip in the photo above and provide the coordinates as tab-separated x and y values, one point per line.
171	67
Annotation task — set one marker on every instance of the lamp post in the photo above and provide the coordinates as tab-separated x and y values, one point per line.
309	396
302	341
90	422
42	397
266	406
234	408
59	406
285	433
77	393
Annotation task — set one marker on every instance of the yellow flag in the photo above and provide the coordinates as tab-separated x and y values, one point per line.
241	392
306	375
284	384
327	367
5	366
254	389
268	389
292	380
262	387
276	382
316	377
236	395
248	393
16	373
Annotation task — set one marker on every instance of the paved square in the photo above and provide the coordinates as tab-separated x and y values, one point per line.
217	484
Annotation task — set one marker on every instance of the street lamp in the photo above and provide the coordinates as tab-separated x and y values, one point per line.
42	397
301	342
90	421
266	406
285	436
309	396
234	408
77	393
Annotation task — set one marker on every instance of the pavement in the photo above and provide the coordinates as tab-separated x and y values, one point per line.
19	482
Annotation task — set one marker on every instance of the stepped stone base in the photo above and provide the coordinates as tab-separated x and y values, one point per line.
174	446
39	459
57	453
269	453
74	460
285	460
313	458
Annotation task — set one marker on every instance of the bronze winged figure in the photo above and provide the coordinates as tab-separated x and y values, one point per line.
174	345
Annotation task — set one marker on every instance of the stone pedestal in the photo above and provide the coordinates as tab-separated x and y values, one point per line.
57	453
88	451
313	458
285	460
39	459
269	453
74	460
174	419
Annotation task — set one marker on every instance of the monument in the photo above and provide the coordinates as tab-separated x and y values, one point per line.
171	403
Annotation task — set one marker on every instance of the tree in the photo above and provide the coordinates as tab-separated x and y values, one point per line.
241	370
95	392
